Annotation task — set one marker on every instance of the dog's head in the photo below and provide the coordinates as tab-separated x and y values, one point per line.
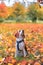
20	33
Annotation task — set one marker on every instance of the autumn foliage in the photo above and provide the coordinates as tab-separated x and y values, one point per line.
3	10
18	10
33	41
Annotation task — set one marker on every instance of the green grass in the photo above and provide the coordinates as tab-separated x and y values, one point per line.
13	21
19	58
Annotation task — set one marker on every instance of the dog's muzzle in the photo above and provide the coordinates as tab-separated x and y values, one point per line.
18	42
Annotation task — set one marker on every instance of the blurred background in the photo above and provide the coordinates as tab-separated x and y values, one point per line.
21	11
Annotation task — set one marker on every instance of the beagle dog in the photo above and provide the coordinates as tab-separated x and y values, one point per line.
21	49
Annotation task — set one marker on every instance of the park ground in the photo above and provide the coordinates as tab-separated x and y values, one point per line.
33	41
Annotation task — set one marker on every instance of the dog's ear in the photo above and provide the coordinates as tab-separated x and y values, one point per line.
17	35
23	34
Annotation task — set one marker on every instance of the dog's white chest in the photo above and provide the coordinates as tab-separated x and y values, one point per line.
21	45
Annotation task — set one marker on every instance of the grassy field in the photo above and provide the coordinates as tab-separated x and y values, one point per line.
33	41
13	21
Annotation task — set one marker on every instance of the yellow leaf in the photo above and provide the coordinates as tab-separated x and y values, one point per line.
19	64
0	59
0	43
10	64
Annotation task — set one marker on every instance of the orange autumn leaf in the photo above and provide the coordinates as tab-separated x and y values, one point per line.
37	63
24	62
13	61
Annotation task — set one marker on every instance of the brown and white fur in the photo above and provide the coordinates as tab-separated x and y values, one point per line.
21	49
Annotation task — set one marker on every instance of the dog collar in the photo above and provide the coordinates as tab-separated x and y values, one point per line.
20	41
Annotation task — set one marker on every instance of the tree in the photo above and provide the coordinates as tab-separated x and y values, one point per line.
10	17
32	12
40	14
1	19
3	10
19	11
